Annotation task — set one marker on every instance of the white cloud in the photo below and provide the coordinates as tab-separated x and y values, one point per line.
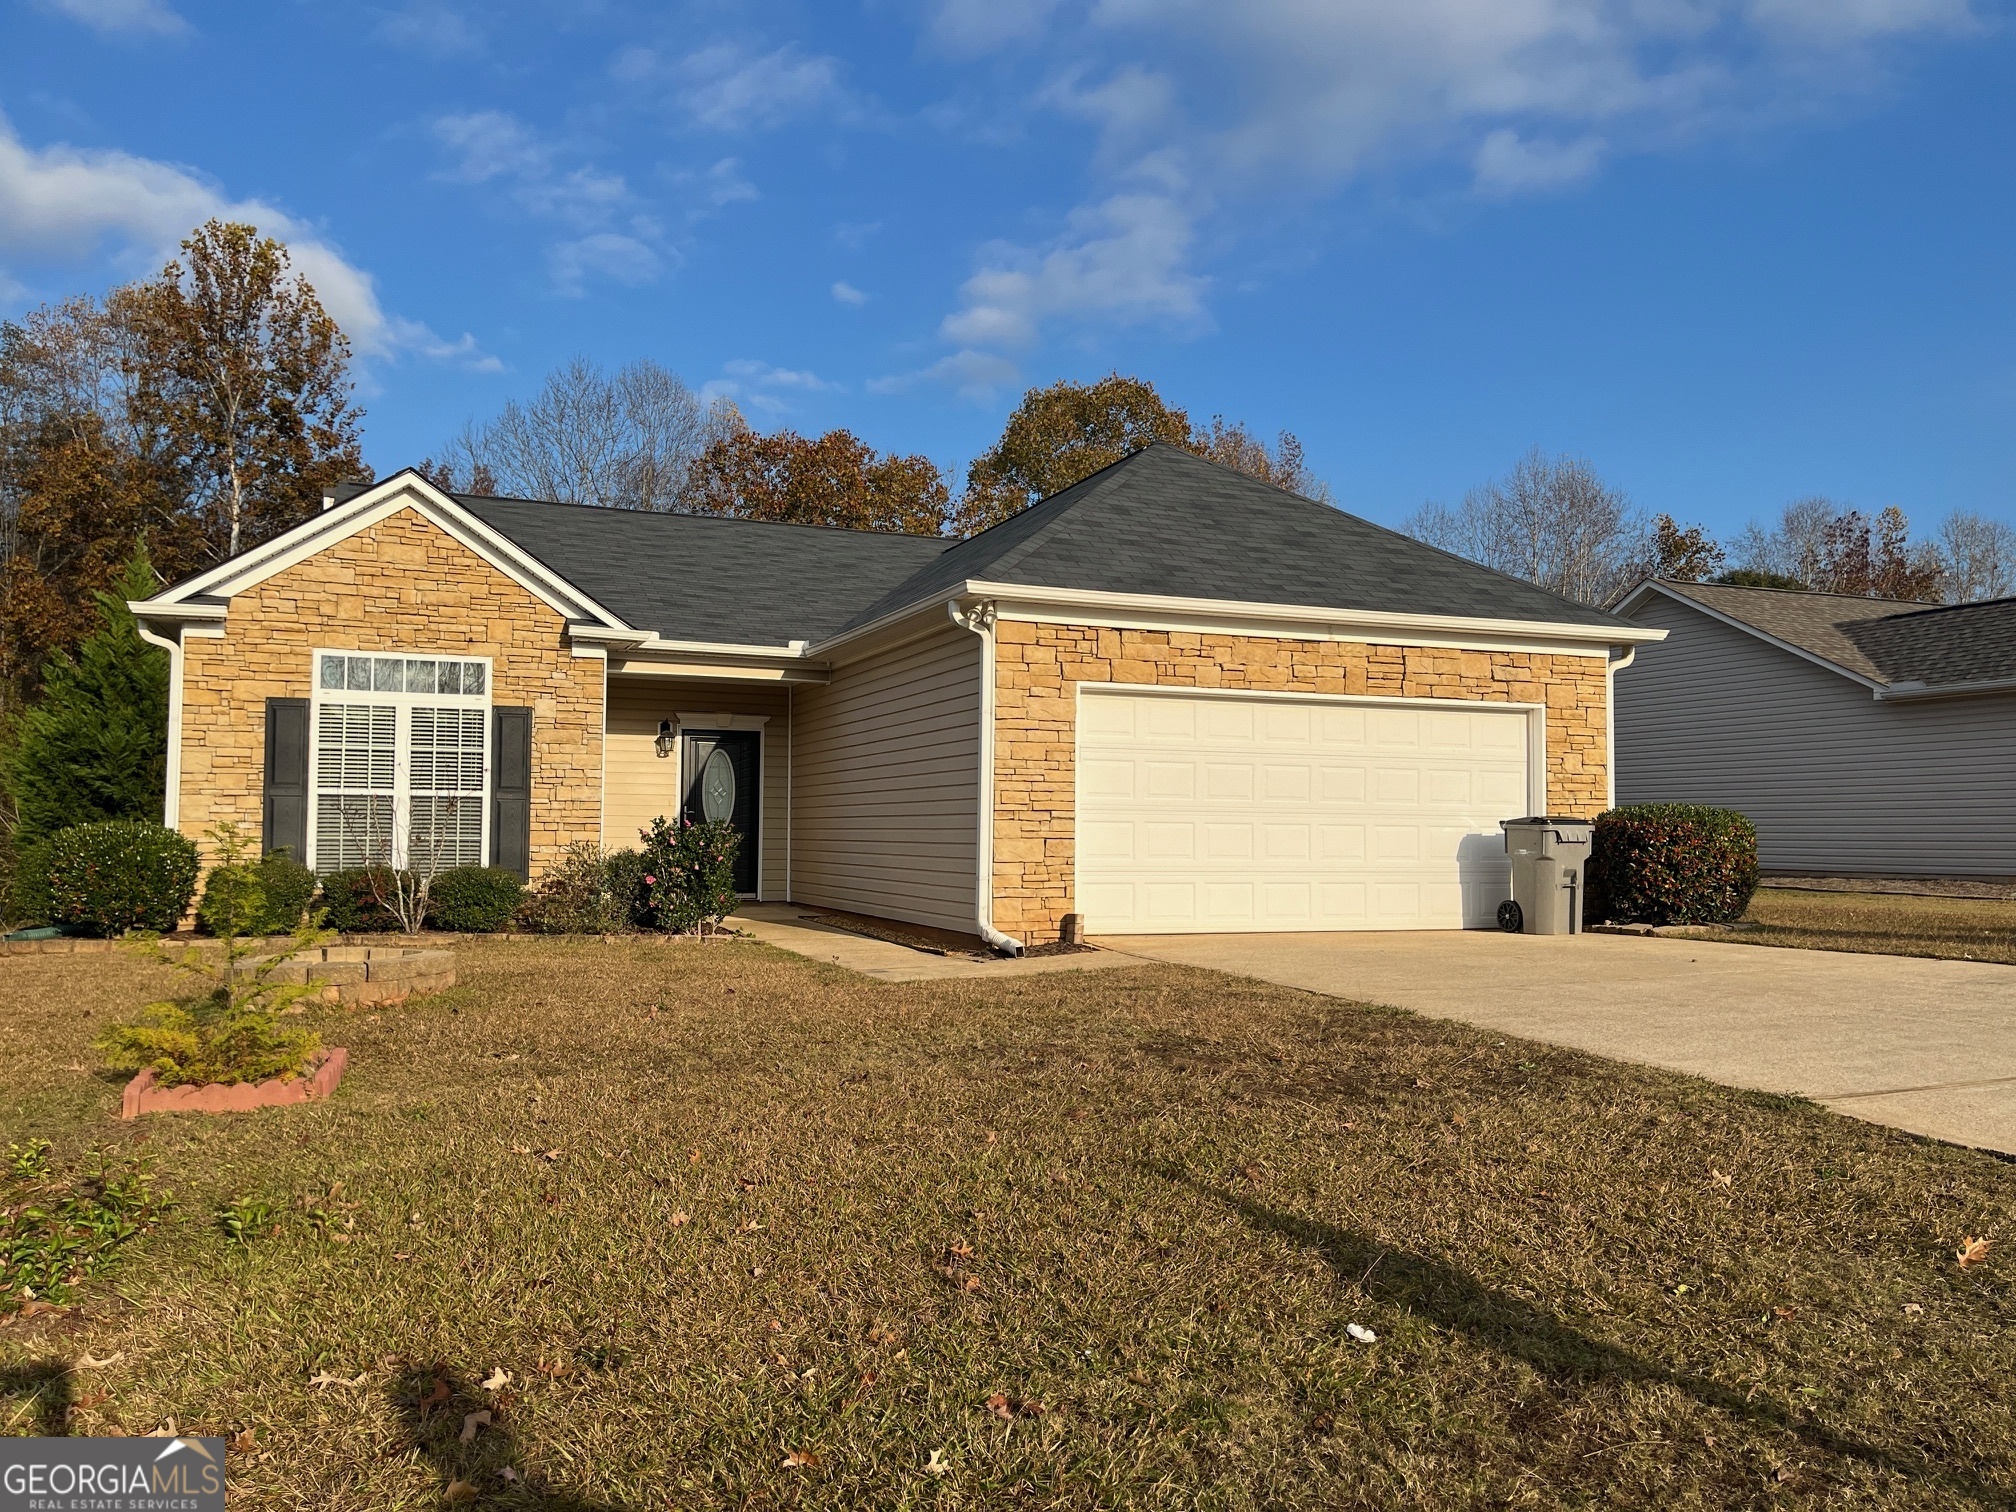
605	254
724	87
67	205
1122	261
131	17
428	26
1199	107
757	385
847	294
1508	164
976	375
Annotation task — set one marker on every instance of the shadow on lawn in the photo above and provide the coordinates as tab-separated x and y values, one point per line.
435	1405
35	1399
1451	1299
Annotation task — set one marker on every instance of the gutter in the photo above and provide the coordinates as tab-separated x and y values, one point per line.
980	620
1616	664
1907	691
171	794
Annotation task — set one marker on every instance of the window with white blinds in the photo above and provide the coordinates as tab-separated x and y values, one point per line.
400	765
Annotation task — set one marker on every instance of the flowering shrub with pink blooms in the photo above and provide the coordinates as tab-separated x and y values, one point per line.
689	873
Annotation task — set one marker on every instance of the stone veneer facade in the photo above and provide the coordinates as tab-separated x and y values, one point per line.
399	585
1035	724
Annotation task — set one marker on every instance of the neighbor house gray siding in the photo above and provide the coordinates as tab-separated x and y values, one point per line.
1835	781
885	784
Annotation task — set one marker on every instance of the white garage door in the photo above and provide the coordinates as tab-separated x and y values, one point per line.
1201	813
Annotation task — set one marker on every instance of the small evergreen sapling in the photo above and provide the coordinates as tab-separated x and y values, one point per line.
228	1030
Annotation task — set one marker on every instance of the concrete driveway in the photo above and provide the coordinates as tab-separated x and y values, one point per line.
1928	1046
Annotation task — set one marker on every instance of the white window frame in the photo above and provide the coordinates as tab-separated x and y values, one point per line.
402	704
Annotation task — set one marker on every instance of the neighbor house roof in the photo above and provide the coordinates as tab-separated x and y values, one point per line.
1898	646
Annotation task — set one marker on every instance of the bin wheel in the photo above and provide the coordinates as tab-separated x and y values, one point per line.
1511	918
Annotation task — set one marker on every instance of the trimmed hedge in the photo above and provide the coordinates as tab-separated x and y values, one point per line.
474	899
1671	863
125	874
268	897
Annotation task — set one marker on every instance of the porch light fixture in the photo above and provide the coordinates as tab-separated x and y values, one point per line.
666	740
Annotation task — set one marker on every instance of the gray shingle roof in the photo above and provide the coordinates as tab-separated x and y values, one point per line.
1883	640
695	577
1165	521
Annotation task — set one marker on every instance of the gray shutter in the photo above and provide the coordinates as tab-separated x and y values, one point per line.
284	812
511	791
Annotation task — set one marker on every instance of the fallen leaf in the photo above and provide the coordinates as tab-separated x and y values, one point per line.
694	1158
329	1378
1252	1173
801	1459
434	1397
1360	1334
1785	1312
971	1284
243	1440
680	1219
473	1422
507	1473
936	1464
1720	1178
998	1405
551	1154
497	1380
958	1249
460	1491
1973	1251
521	1149
992	1138
867	1378
37	1307
1911	1309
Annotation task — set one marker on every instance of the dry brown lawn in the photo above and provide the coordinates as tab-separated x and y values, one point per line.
1961	929
1077	1240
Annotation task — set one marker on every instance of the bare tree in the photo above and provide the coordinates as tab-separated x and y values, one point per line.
626	439
1979	558
1551	520
1832	548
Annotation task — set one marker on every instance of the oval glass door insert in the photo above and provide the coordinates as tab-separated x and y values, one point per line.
717	787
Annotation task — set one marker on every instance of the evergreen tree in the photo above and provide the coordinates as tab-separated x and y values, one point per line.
94	746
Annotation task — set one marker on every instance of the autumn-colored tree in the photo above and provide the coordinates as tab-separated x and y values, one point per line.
834	479
241	384
1281	464
451	477
1682	554
76	490
1831	548
1059	435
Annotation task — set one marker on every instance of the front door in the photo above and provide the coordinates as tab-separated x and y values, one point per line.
723	774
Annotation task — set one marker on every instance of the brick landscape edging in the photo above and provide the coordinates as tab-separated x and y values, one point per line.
142	1096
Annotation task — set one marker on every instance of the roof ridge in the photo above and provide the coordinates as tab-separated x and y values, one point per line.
1810	593
1098	483
619	511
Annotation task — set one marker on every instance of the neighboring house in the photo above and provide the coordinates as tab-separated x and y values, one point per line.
1863	736
1168	698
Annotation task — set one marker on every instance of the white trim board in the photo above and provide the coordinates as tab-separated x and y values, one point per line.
403	490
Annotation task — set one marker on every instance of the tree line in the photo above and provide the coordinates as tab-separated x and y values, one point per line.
1553	521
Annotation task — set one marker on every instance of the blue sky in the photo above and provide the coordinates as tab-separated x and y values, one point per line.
1734	251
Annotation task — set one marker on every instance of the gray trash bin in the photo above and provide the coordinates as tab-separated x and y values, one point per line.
1549	857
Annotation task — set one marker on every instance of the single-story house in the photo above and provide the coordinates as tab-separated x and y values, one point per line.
1862	736
1167	698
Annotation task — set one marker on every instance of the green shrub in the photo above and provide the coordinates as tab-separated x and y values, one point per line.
1672	863
474	899
629	897
690	871
350	899
266	897
27	902
574	896
110	879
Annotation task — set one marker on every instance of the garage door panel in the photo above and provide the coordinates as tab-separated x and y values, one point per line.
1223	813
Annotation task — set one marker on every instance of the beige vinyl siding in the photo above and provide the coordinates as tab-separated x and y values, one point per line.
885	784
1835	781
639	784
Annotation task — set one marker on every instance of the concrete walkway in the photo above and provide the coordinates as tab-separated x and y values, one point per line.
1923	1045
789	928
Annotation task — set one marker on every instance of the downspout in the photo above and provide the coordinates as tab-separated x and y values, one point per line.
980	620
171	798
1617	664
